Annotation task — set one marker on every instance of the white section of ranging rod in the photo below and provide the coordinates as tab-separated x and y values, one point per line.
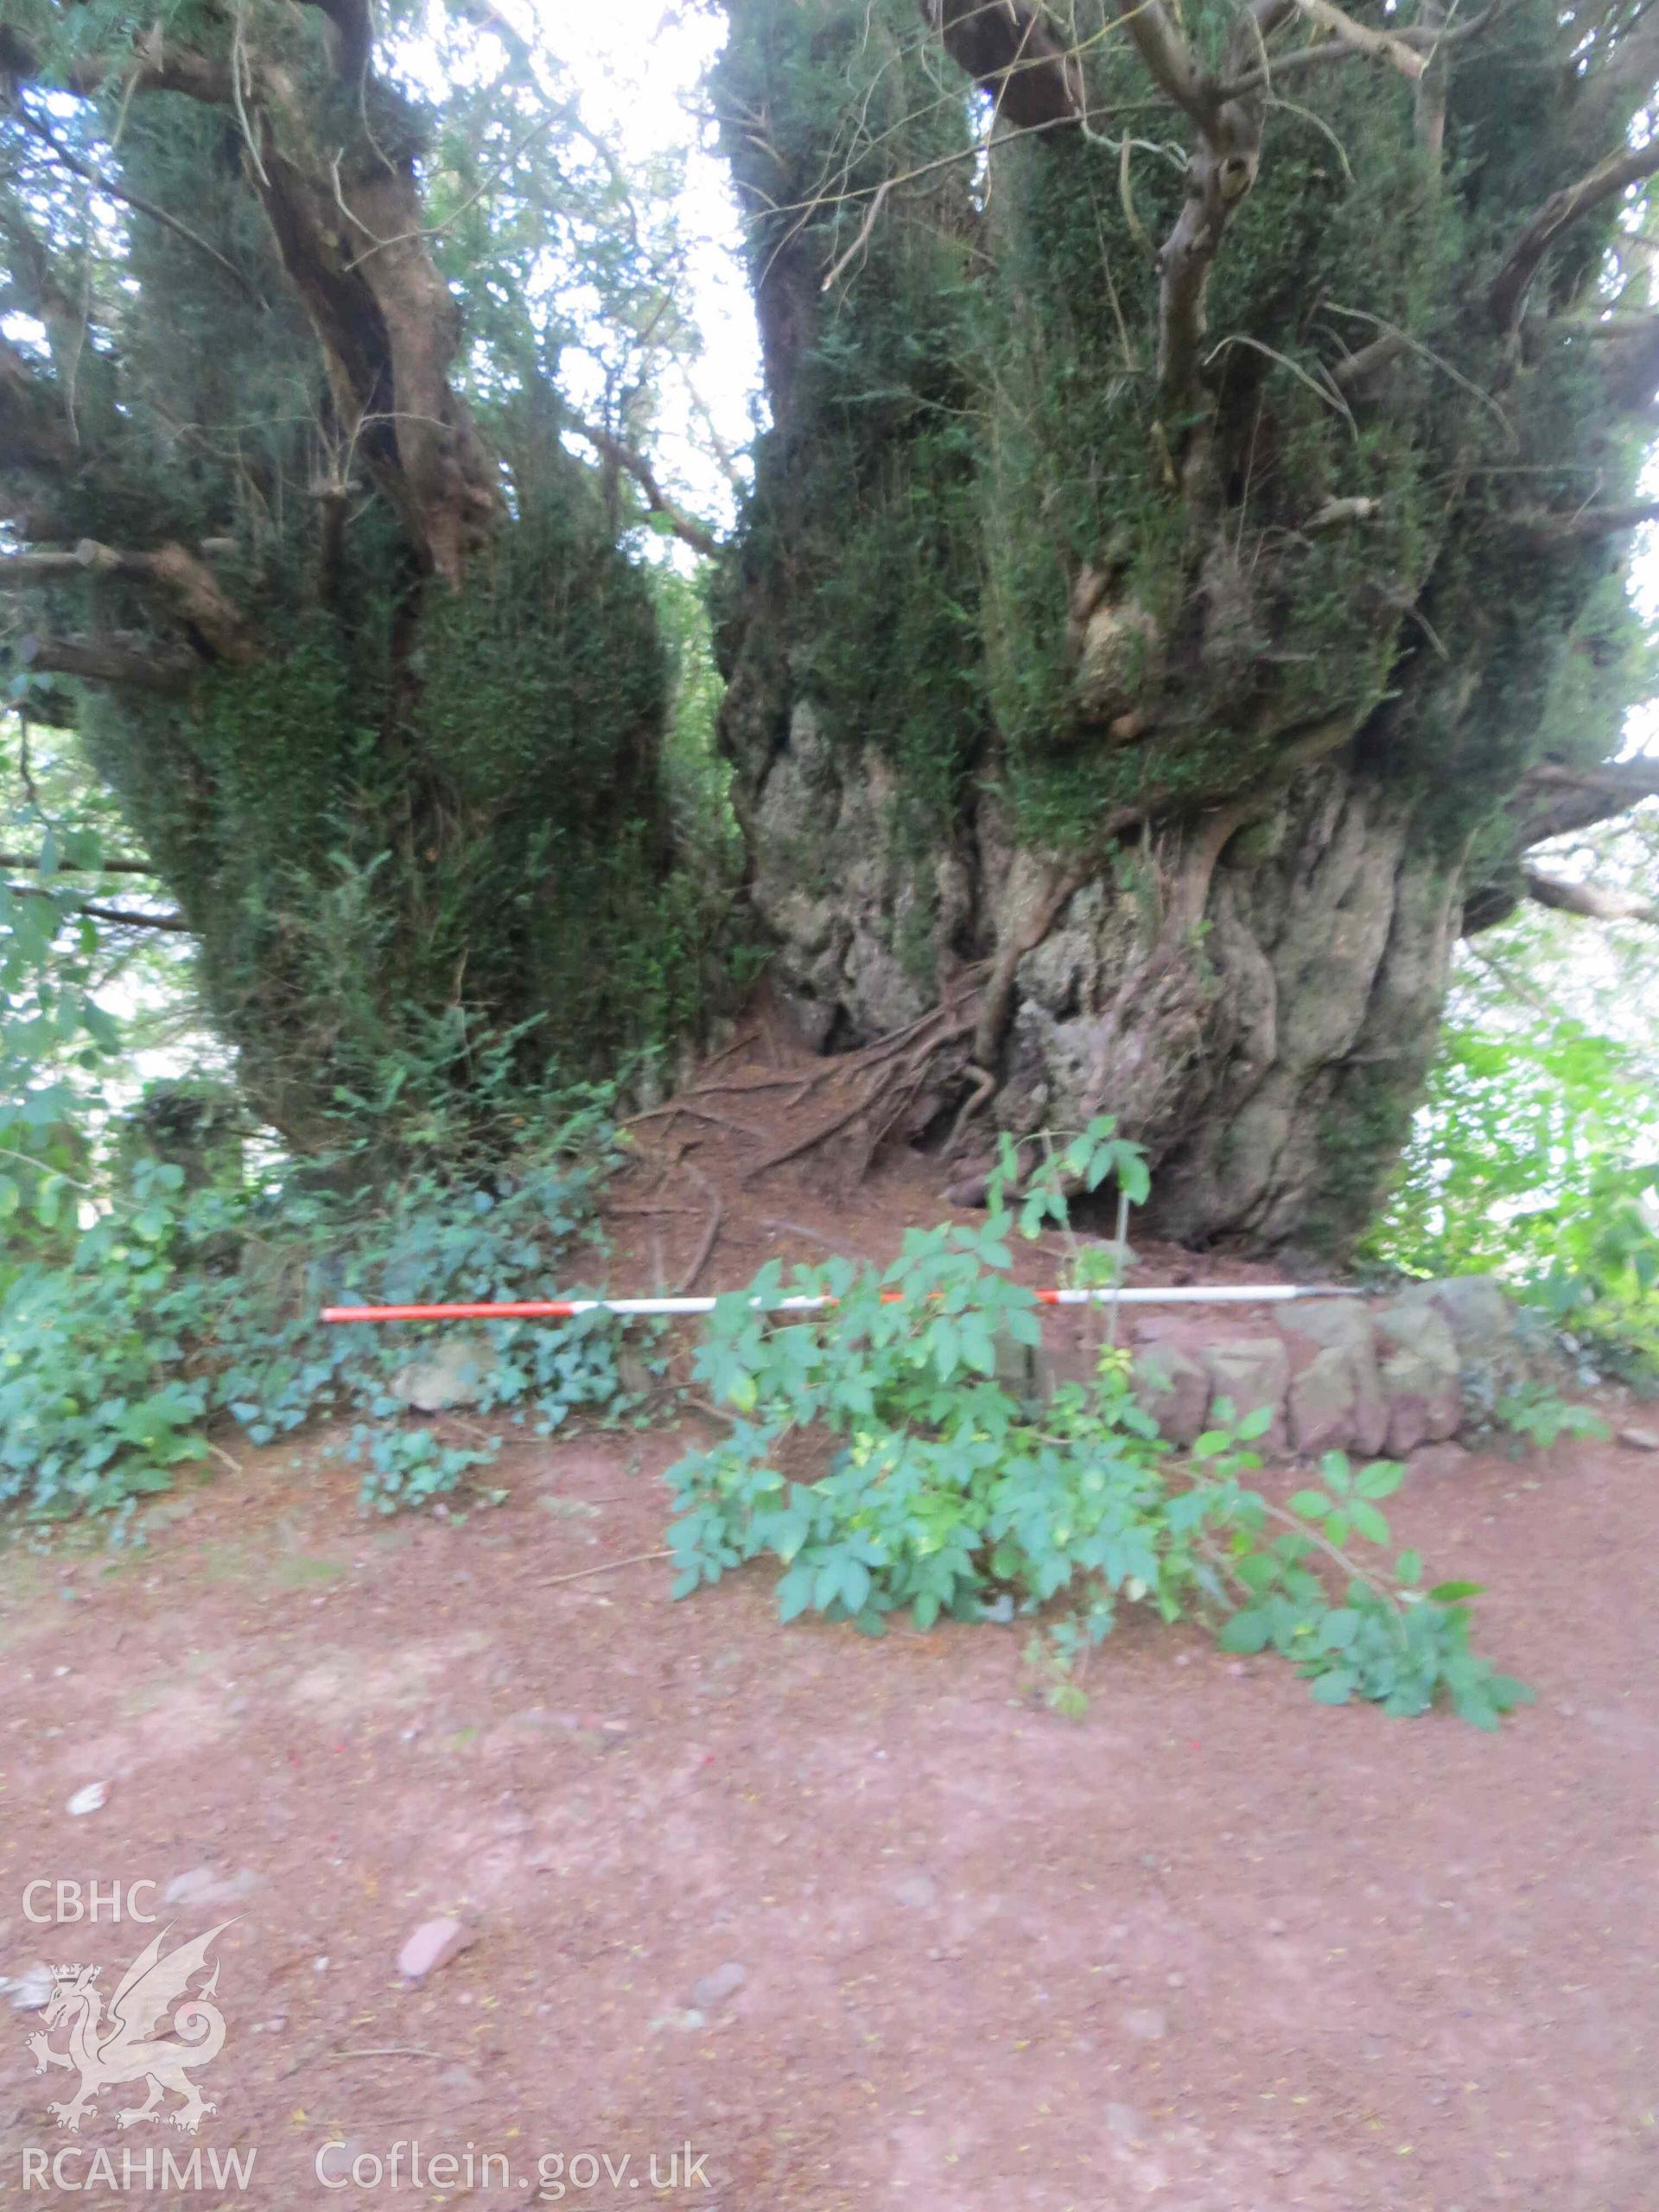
1226	1295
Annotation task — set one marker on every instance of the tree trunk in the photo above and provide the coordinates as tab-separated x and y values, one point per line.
380	691
1122	634
1261	1020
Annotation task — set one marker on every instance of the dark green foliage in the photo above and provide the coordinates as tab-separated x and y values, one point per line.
865	487
358	840
180	1307
973	424
401	788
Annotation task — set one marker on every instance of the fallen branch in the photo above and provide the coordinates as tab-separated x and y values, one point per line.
605	1567
842	1249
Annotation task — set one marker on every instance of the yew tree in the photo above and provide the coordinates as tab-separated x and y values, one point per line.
1186	576
296	530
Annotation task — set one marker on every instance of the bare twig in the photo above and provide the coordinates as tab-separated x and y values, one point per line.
391	2050
1592	522
861	240
837	1245
606	1567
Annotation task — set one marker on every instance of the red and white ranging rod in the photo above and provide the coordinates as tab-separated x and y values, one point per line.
567	1309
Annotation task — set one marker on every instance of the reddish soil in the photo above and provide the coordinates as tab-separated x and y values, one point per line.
1211	1948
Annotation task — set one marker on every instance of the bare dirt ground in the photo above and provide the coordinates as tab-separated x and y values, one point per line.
1211	1948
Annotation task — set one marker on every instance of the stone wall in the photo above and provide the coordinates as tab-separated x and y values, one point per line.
1376	1377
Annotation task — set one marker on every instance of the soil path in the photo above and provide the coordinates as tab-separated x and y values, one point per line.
1211	1948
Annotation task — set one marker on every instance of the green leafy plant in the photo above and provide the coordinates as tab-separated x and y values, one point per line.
1538	1417
1534	1158
412	1467
876	1452
172	1308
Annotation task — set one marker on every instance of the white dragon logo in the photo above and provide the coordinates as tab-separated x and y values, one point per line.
123	2046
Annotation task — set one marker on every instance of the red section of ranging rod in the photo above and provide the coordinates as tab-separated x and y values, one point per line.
566	1309
527	1309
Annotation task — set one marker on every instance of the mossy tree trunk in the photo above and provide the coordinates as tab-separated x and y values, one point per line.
1180	585
293	536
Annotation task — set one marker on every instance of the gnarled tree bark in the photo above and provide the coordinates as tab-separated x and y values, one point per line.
1238	940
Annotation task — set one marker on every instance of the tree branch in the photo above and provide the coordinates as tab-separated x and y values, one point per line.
1590	522
1554	801
1009	48
1162	46
1429	103
1358	368
128	916
347	222
1593	900
1220	171
34	435
104	660
353	34
1628	165
1382	46
1602	99
64	867
1628	360
149	64
194	592
1425	39
686	528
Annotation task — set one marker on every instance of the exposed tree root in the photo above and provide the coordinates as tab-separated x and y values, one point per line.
983	1091
997	1012
710	1235
696	1113
891	1075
